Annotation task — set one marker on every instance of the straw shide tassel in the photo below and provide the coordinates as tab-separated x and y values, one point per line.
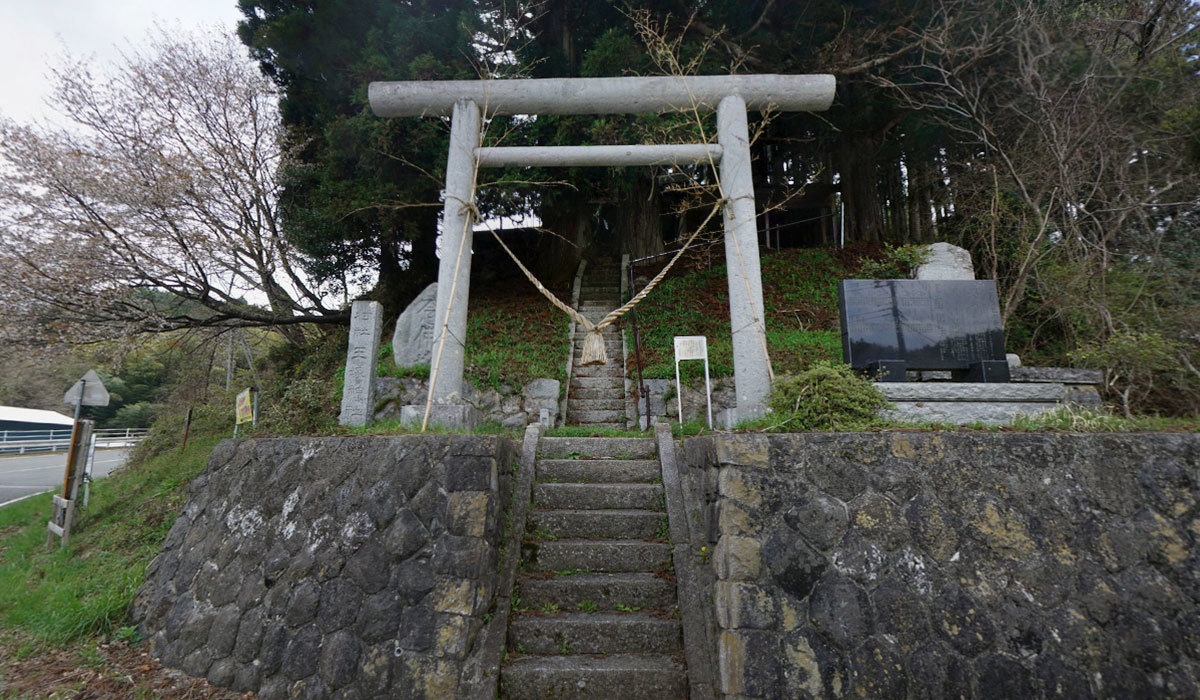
593	349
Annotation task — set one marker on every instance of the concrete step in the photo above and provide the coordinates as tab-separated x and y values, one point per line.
598	426
597	448
607	591
592	496
599	555
609	334
584	393
612	347
597	382
610	344
596	416
626	676
615	366
594	471
610	524
595	633
611	369
574	404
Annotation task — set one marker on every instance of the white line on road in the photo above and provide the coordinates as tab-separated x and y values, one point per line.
57	467
22	498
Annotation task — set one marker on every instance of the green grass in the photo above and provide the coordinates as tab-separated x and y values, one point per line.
799	298
515	337
1065	419
54	596
387	366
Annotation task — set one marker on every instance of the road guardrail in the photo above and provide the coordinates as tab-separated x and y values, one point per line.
26	441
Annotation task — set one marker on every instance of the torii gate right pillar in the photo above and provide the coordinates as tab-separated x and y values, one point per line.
751	364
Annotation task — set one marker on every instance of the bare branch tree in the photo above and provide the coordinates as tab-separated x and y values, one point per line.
157	207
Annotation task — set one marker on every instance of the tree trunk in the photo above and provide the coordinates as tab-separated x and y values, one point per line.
916	194
858	165
568	233
636	218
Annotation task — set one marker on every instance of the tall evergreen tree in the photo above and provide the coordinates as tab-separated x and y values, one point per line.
364	198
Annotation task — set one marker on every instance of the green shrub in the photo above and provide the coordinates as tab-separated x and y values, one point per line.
1131	362
894	262
307	406
826	396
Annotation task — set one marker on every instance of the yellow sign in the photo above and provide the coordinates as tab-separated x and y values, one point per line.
245	406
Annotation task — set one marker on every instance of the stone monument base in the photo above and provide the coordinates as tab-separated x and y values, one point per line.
453	416
956	402
730	417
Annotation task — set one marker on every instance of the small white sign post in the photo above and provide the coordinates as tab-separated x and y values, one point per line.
692	347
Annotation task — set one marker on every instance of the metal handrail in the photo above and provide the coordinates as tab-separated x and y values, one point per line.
20	441
637	352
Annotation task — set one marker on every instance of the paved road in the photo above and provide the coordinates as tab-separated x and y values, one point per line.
30	474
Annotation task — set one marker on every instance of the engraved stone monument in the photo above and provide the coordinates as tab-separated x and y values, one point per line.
362	354
413	337
889	326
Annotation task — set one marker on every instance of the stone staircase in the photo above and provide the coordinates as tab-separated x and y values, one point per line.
595	611
596	397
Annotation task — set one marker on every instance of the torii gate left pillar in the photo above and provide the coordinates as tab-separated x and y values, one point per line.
729	95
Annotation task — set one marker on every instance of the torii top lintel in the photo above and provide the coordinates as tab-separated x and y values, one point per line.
627	95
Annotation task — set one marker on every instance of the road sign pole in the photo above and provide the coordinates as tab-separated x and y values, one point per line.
63	514
79	403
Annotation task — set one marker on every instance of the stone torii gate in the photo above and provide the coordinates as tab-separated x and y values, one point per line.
729	95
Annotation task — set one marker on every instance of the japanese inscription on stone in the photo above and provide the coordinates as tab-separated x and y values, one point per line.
930	325
362	353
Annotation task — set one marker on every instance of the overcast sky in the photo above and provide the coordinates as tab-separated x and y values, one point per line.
34	34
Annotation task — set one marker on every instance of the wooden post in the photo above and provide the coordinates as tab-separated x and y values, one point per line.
63	514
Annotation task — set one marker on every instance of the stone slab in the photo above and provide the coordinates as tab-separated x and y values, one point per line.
930	325
630	677
965	391
541	395
946	262
362	356
1064	375
961	412
607	591
451	416
595	633
412	341
597	448
1083	395
730	417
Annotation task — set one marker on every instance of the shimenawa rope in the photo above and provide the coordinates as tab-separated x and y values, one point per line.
593	343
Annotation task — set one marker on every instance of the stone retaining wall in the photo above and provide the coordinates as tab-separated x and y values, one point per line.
333	567
511	407
914	565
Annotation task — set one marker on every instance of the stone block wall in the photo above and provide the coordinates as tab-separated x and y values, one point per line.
939	565
511	407
333	567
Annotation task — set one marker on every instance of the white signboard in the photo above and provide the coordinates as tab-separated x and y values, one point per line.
692	347
90	388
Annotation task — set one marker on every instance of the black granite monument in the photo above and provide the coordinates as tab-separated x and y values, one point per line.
891	326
